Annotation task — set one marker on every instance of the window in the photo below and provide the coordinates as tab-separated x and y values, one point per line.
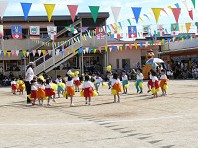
117	63
126	64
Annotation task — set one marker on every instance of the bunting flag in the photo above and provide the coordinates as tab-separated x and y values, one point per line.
94	12
185	4
49	10
52	32
116	33
39	52
100	33
132	31
16	32
26	9
188	25
190	12
196	24
27	54
176	13
156	12
164	11
136	13
116	12
193	2
147	16
1	31
17	52
160	30
177	5
72	10
3	6
175	29
34	32
146	30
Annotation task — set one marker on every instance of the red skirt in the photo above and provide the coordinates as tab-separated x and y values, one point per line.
88	92
14	87
33	94
49	92
156	85
70	91
150	82
77	82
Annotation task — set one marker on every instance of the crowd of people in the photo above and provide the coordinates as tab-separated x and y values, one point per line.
44	88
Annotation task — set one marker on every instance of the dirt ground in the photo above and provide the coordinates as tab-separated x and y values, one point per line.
138	121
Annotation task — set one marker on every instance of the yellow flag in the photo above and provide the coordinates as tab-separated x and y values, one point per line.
156	12
169	7
4	52
24	53
9	53
136	45
182	39
49	10
188	25
141	19
44	52
162	42
74	50
106	48
95	50
120	48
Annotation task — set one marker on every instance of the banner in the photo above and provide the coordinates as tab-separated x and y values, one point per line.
100	33
160	30
1	31
72	11
136	12
26	9
175	29
156	12
94	12
146	30
49	10
116	33
16	32
34	32
132	31
176	13
116	12
52	32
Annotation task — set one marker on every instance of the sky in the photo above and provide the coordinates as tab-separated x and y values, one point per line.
14	8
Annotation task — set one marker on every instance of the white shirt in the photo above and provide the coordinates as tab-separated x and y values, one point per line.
13	82
29	75
124	77
150	76
140	76
163	77
69	83
154	79
87	84
115	81
34	87
76	78
48	86
98	79
41	86
58	81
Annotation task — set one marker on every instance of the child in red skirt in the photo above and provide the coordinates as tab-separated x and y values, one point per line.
116	87
163	81
70	89
21	86
77	82
155	84
49	91
14	85
88	90
34	89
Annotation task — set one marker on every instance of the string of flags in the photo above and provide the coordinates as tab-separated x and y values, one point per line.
63	52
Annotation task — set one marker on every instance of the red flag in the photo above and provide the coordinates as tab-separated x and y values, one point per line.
176	13
190	12
72	10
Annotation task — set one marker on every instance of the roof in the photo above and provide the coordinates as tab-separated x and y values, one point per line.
104	15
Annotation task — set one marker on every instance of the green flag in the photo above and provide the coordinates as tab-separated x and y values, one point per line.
94	11
193	1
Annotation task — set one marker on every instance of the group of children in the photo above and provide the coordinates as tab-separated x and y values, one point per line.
42	89
17	85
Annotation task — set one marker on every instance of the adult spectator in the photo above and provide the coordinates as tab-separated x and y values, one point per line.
29	75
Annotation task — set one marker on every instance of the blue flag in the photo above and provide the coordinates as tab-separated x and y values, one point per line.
26	9
136	12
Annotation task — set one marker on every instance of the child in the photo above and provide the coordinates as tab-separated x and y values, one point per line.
110	77
49	91
21	86
34	89
14	85
70	89
41	91
98	80
155	84
88	90
163	82
116	87
139	81
60	89
124	81
77	82
149	84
